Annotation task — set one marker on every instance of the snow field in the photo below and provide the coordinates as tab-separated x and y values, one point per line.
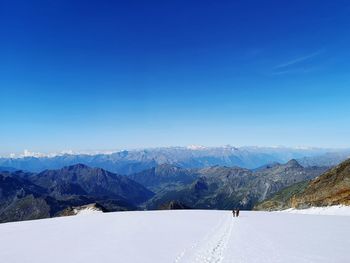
340	210
179	236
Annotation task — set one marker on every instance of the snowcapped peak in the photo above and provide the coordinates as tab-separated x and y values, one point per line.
196	147
28	153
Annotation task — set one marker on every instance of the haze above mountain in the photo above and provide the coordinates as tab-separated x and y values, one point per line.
133	161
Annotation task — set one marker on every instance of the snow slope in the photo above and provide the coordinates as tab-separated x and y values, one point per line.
87	211
341	210
177	236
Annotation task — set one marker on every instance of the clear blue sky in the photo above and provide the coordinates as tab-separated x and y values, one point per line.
122	74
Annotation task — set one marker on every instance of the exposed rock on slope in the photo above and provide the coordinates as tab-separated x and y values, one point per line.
279	176
281	200
174	205
330	188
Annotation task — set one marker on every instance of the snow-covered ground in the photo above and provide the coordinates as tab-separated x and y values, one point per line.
87	211
340	210
178	236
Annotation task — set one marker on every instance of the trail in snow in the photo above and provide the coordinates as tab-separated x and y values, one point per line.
212	247
213	251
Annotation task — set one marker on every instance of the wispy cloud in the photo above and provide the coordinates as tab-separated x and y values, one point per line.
298	60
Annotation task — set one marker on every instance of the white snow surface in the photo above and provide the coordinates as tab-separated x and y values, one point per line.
178	236
87	211
340	210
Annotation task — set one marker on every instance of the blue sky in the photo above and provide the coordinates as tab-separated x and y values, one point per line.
126	74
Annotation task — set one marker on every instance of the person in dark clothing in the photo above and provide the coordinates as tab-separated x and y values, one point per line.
233	213
237	213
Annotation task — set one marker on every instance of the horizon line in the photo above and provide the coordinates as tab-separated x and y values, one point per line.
193	147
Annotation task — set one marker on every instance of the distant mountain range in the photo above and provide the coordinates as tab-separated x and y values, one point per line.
129	162
7	169
330	188
54	192
220	187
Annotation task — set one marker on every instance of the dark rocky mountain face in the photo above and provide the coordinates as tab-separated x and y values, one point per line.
229	187
30	196
11	185
21	200
330	188
83	180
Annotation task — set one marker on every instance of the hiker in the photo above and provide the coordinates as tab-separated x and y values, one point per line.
233	213
237	213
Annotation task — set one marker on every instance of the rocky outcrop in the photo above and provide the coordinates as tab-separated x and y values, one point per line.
174	205
282	199
330	188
